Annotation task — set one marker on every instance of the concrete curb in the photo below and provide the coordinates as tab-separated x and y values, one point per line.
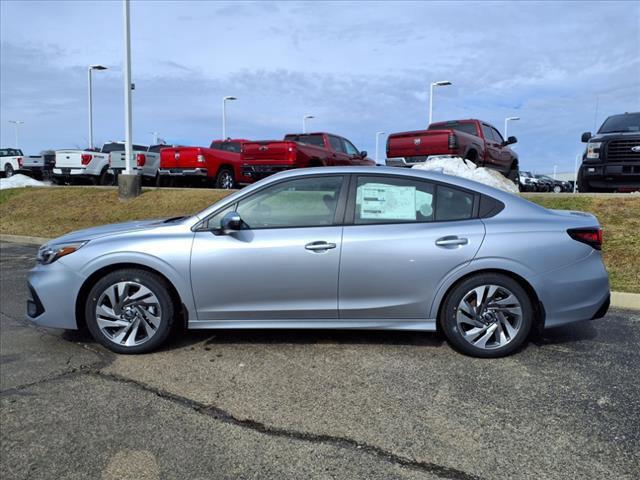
23	239
627	301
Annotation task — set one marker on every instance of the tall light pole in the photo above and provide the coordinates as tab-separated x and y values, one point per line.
506	125
377	142
441	83
89	70
16	124
155	137
224	115
304	122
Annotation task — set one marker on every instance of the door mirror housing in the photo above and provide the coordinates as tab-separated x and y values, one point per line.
363	154
511	140
586	136
230	223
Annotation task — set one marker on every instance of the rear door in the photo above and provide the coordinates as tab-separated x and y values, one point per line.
405	235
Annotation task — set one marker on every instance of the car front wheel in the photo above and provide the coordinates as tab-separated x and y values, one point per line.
487	315
130	311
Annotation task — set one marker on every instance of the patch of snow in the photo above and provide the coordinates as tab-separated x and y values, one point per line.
19	181
459	167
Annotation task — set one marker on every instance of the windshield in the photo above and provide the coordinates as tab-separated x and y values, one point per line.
627	122
468	127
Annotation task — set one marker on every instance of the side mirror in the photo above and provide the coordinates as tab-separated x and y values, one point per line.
363	154
586	136
511	141
230	223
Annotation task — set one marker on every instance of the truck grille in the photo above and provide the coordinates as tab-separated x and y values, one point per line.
620	150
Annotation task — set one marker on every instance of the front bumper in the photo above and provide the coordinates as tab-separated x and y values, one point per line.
53	290
256	172
183	172
612	175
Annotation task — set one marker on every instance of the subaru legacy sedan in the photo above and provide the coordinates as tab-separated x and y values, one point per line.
334	248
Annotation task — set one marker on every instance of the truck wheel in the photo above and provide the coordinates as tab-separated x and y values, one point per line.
8	170
105	178
513	174
583	185
224	179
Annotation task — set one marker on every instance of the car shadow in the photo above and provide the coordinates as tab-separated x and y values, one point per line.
572	333
303	337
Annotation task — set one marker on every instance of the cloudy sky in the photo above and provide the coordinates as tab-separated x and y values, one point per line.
358	67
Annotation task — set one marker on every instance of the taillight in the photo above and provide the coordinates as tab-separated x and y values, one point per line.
86	158
200	158
291	155
141	159
590	236
20	162
453	141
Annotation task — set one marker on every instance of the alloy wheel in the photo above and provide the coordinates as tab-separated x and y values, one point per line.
128	313
226	180
489	316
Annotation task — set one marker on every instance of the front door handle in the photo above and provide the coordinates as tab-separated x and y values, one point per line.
451	241
319	246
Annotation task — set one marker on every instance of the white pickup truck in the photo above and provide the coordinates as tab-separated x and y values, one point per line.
102	167
11	161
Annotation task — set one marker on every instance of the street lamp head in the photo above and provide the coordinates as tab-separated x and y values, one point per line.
441	83
309	116
16	122
229	98
513	118
97	67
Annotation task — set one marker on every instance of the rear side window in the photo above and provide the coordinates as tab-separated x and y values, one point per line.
336	144
393	200
233	147
453	204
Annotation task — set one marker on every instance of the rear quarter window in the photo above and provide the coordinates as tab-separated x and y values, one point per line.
453	204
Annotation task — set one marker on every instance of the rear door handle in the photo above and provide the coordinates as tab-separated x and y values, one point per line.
319	246
451	241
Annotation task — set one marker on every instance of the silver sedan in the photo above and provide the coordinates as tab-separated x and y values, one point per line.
338	248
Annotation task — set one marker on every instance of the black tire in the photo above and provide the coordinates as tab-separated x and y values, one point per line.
225	179
156	284
452	331
104	179
514	174
472	156
8	171
583	185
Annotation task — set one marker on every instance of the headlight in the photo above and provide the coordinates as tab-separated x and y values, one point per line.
593	150
50	253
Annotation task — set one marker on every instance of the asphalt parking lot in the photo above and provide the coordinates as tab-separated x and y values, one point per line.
248	404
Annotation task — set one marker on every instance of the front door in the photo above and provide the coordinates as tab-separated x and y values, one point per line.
283	265
407	235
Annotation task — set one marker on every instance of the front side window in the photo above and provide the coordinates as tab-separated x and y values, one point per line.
488	133
304	202
349	148
393	200
497	136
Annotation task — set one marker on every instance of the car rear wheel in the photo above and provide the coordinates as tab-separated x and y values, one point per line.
130	311
224	179
8	170
487	315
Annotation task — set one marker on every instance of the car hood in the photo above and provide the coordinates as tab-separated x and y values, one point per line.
106	230
599	137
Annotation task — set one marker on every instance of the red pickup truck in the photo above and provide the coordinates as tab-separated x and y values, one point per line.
299	150
219	165
474	140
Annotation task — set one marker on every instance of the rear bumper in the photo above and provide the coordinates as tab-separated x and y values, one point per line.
575	292
183	172
256	172
612	175
67	172
409	162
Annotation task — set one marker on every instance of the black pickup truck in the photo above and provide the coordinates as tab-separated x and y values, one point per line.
611	161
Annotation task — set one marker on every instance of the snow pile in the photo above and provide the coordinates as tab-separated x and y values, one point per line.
458	167
19	180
